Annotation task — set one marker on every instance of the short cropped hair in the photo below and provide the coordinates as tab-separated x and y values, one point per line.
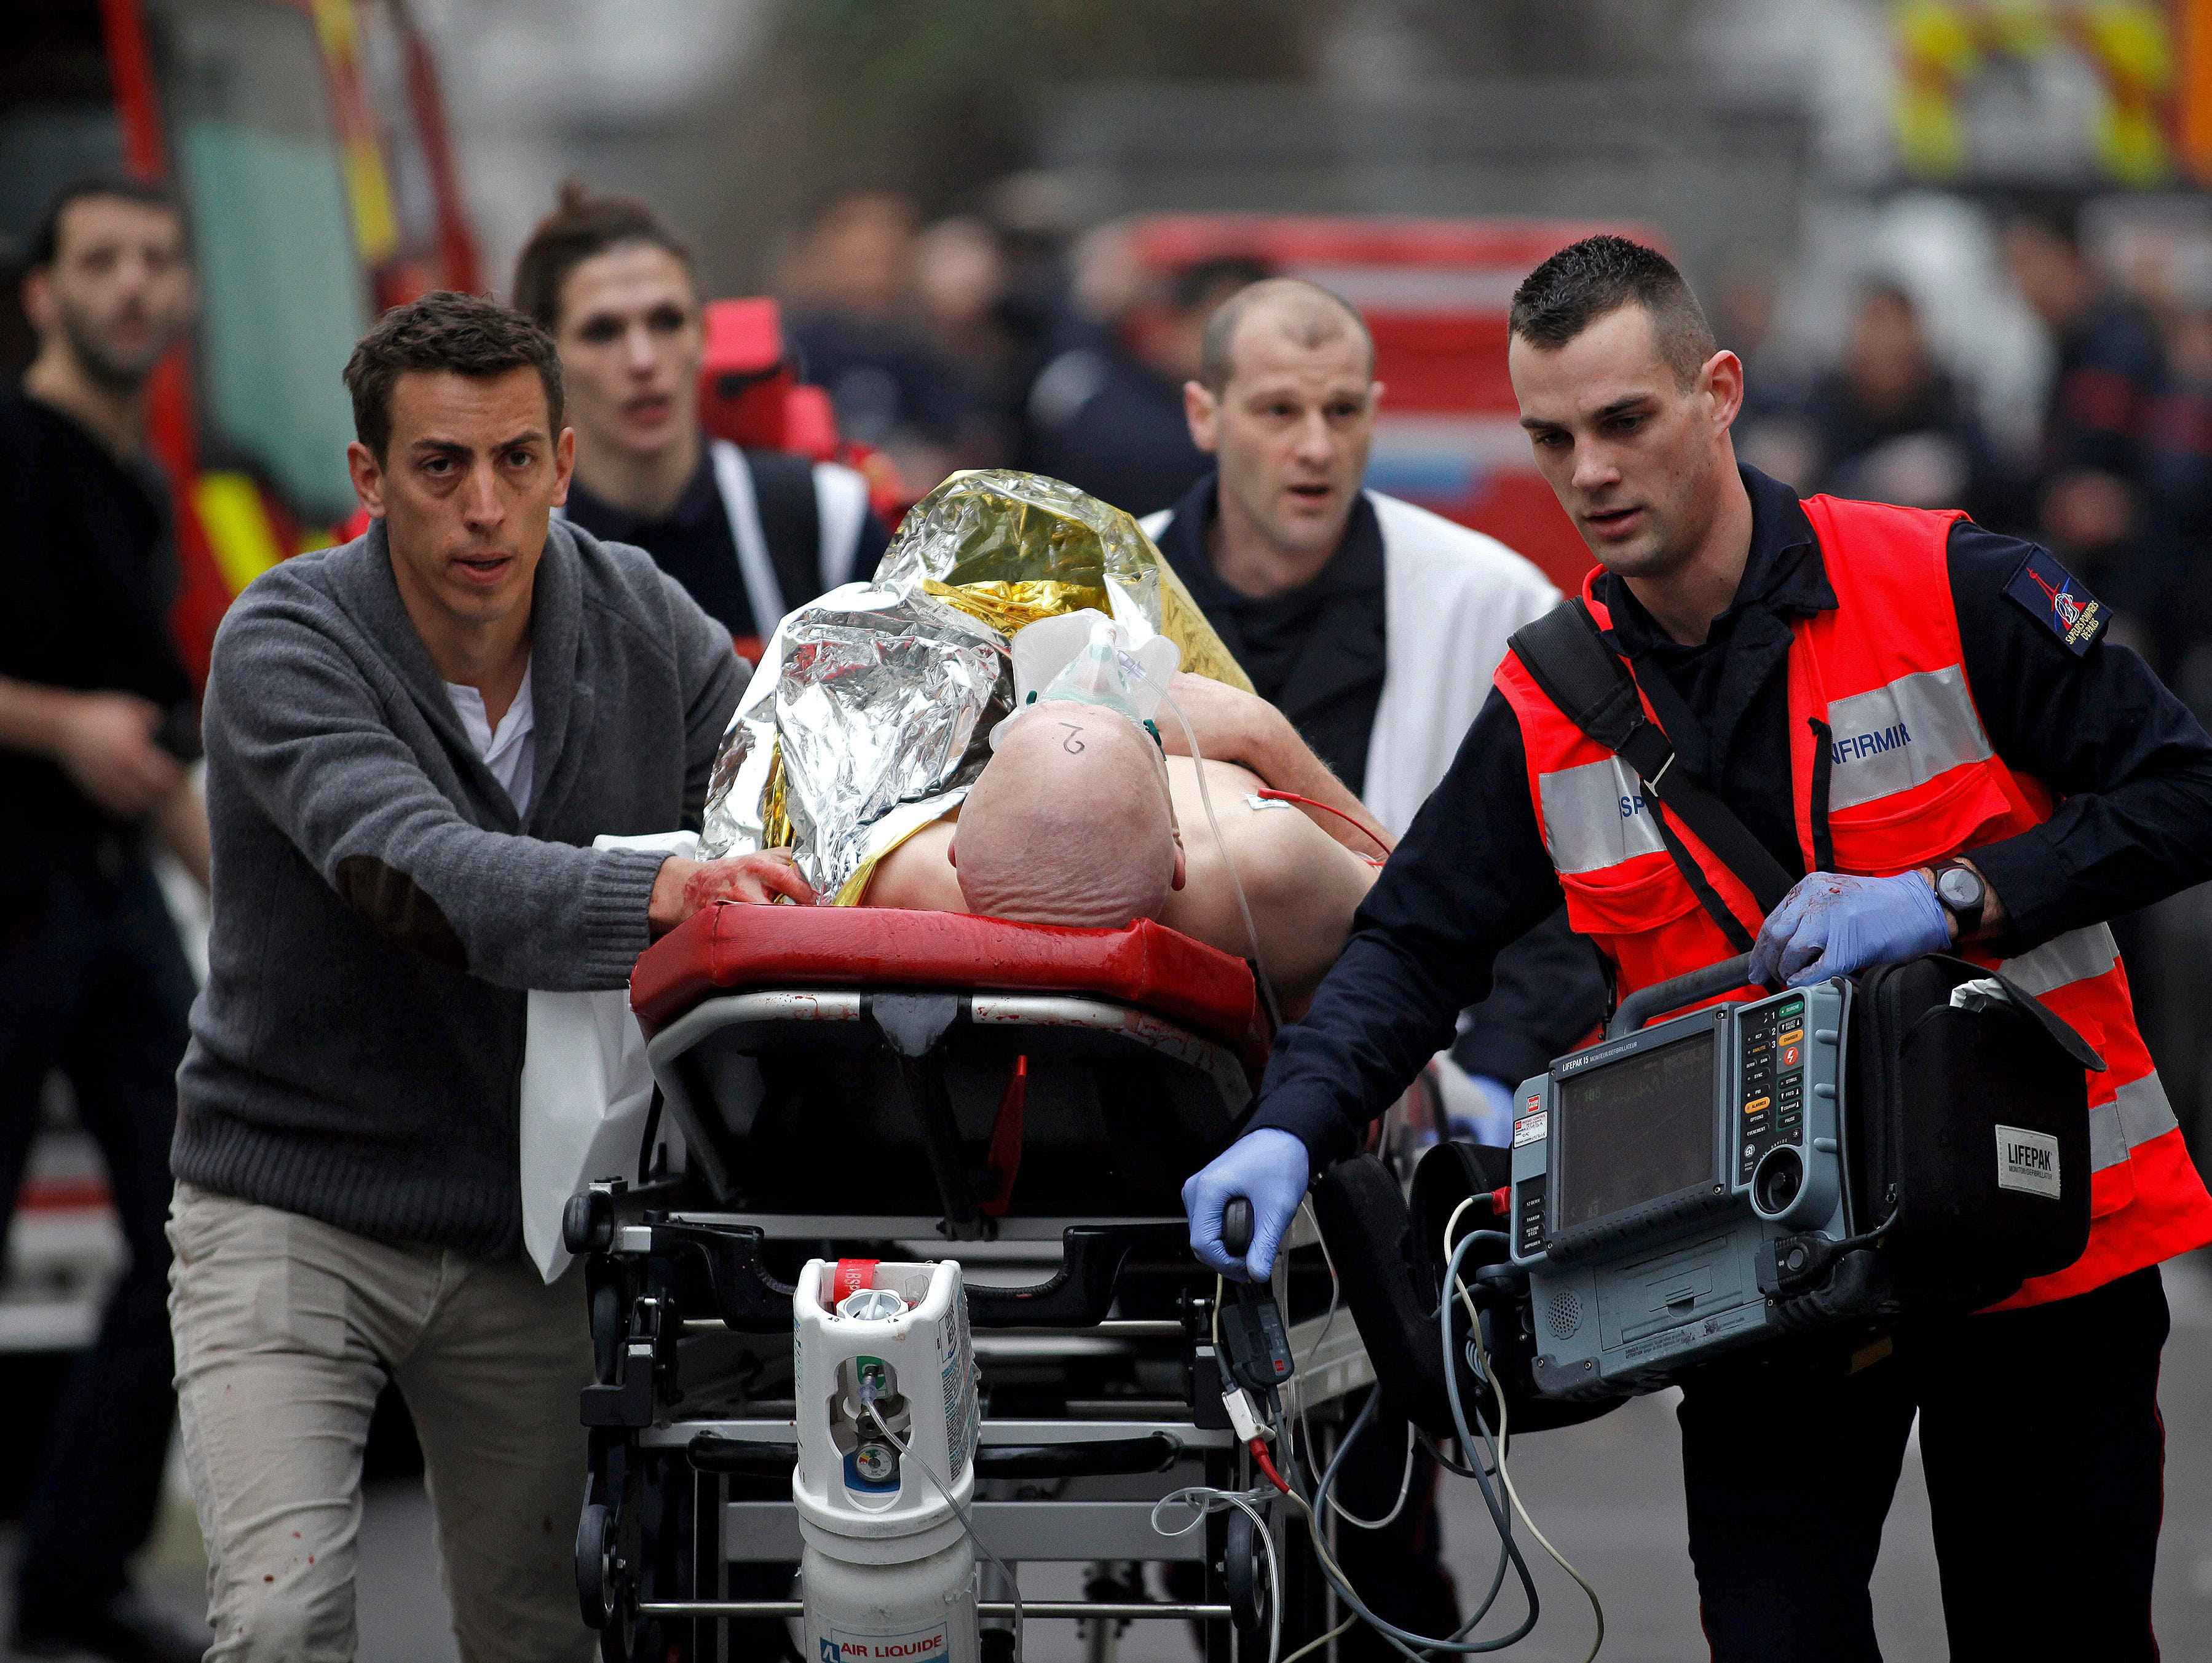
461	334
44	245
582	227
1594	278
1317	315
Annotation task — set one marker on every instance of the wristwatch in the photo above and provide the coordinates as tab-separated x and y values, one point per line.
1963	893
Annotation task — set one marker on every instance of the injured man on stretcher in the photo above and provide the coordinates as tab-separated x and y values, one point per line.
905	745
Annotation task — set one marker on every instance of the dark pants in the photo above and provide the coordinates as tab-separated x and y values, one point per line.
94	983
2044	1455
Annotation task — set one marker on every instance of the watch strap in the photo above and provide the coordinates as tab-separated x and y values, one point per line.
1970	917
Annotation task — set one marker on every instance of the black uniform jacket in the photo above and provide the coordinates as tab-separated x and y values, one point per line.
2131	763
87	571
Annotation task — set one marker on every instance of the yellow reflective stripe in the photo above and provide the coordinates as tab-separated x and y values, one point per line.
237	527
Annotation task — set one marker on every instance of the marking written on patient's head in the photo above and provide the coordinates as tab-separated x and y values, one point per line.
1071	745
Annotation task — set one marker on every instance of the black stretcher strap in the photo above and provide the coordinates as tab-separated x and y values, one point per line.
1567	656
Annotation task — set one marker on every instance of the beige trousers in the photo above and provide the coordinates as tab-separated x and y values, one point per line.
286	1329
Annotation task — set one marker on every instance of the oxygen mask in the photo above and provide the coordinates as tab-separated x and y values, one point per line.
1084	658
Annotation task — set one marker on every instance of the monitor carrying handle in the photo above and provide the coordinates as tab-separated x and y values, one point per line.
1645	1003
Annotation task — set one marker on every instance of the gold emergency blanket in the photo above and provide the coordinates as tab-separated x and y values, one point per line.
870	712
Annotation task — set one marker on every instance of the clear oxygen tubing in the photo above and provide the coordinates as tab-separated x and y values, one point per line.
967	1523
1243	907
1479	1356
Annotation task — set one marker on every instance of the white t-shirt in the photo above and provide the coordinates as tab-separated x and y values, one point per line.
508	753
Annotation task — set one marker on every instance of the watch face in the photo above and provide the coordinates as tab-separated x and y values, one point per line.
1959	887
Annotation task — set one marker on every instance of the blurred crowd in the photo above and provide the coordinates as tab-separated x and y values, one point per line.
2118	478
984	340
974	342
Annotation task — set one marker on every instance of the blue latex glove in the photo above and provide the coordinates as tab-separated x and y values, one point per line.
1270	1168
1493	1123
1831	925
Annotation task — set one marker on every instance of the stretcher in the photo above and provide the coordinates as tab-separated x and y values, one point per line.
870	1084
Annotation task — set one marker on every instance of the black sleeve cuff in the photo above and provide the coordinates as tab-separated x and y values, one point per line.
1314	1121
2029	875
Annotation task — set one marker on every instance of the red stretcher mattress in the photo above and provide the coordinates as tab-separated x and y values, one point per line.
729	947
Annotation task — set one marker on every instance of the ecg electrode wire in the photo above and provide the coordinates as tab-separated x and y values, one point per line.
1398	1639
1243	907
1313	1646
1401	1640
1209	1499
1453	1279
1202	1499
1327	1488
1457	1469
967	1523
1359	826
1299	1400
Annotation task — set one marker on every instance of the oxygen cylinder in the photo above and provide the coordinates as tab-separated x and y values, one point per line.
887	1567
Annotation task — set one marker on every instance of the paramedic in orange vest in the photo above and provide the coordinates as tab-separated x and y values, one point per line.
1923	722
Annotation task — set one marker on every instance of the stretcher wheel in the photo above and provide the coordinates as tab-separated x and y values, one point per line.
1244	1575
587	1222
602	1588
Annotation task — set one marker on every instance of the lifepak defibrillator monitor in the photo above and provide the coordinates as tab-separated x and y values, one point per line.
1650	1171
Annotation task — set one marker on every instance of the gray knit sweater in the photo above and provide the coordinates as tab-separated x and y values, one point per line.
379	910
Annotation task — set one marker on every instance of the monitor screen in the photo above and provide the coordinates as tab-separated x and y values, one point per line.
1632	1130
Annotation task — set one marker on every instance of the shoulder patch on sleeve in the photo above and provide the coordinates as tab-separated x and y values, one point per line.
2054	595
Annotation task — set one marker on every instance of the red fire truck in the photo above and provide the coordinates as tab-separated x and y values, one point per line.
307	143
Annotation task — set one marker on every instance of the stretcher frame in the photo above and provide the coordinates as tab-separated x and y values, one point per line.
1076	1483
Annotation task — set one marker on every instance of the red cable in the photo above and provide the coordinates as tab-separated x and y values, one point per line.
1259	1454
1371	835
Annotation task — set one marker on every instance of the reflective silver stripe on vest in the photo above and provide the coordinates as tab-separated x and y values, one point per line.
1594	816
2075	957
2139	1113
1901	736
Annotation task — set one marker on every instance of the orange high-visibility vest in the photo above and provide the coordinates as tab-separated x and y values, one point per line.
1890	769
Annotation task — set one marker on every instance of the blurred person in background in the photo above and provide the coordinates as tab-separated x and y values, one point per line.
2178	507
1888	424
97	729
849	293
962	284
2109	375
1772	434
1375	625
750	533
1106	412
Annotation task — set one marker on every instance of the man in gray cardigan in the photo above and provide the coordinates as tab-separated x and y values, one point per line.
412	741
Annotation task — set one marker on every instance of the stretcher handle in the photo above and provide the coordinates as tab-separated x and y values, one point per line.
1236	1226
1662	996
